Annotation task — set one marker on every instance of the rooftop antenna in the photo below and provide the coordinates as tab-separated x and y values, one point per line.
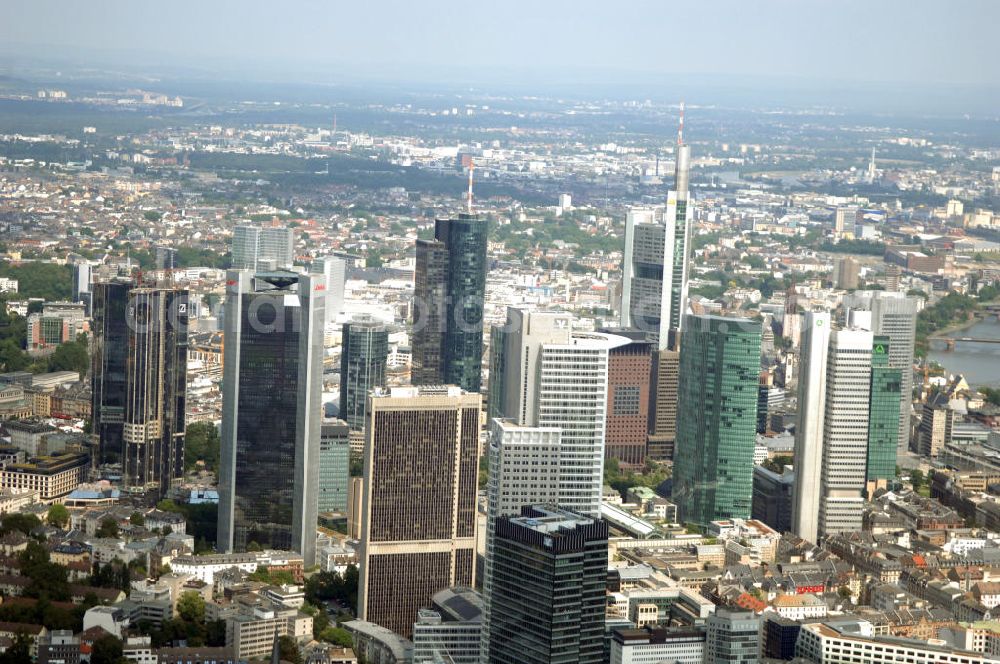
680	127
468	202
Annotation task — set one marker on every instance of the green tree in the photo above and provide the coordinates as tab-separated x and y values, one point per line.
137	519
24	523
108	527
57	516
337	636
191	607
916	478
107	650
288	650
71	356
201	443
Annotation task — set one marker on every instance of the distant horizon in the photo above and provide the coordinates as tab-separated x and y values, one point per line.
762	91
908	51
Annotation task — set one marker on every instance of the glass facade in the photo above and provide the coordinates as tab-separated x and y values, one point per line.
139	374
334	467
272	378
449	291
547	602
108	367
717	418
364	351
883	419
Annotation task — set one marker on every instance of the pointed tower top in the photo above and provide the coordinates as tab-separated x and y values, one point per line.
468	203
680	127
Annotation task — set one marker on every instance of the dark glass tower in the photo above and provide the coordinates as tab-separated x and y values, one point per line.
363	354
548	596
716	418
139	381
108	367
271	411
449	291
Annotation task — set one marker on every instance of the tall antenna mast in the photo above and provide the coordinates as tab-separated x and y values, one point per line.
468	202
680	127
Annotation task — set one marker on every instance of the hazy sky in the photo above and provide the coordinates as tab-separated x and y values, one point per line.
922	41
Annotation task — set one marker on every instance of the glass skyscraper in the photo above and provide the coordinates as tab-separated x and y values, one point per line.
883	418
140	380
272	379
548	597
449	291
717	418
363	354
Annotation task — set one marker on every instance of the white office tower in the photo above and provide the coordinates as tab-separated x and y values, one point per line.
524	470
815	342
554	377
845	431
893	315
655	264
334	268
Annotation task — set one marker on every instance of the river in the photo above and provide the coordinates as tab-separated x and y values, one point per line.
978	362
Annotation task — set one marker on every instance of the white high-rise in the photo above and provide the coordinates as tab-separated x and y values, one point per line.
845	431
809	425
655	264
334	268
555	377
524	470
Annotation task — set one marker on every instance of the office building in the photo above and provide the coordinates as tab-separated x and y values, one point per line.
363	355
334	269
450	630
82	289
334	467
449	292
263	248
937	420
524	470
557	378
666	370
655	263
139	380
845	431
652	645
814	351
769	398
548	598
849	642
893	315
716	418
844	220
733	637
419	526
846	274
271	412
773	498
166	258
883	416
780	635
627	423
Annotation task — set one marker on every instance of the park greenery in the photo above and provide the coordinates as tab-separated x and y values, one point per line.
652	475
201	445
